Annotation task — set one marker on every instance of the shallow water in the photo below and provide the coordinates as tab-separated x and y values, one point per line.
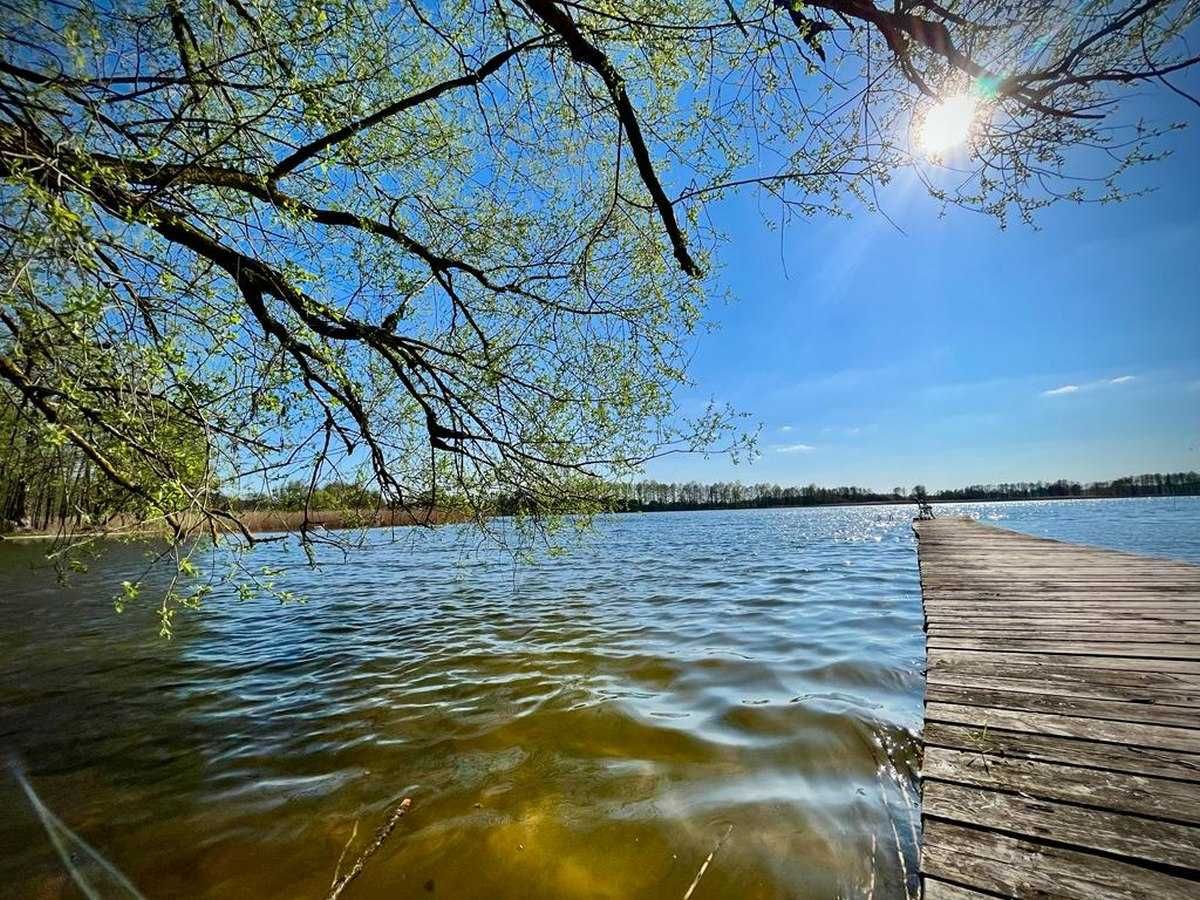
579	727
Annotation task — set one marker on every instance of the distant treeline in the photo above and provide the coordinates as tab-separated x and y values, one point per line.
1155	484
38	496
294	496
646	496
670	495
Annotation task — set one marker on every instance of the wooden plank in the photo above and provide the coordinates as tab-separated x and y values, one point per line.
936	889
938	621
1105	757
1135	837
1059	584
1076	566
1084	619
1097	590
951	580
1094	648
1108	611
1043	615
1028	629
1109	582
1018	591
1012	867
1101	669
1096	688
1058	669
1018	594
1015	590
1072	606
1027	632
1033	662
1079	707
1078	625
1062	711
1134	734
1163	798
1083	570
1170	614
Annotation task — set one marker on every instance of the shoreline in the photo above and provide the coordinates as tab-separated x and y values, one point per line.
906	502
288	522
265	521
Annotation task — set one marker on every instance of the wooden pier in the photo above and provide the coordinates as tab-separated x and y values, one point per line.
1062	719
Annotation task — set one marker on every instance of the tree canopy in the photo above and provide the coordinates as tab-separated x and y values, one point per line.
458	251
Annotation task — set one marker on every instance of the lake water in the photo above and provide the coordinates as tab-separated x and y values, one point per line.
583	727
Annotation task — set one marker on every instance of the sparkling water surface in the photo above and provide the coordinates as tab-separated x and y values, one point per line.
580	727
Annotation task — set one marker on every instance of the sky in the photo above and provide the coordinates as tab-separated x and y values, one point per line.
949	351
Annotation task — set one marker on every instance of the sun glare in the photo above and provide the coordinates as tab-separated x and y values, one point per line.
948	124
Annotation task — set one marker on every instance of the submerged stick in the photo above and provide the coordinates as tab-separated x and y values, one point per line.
704	866
380	836
896	834
871	884
73	850
338	871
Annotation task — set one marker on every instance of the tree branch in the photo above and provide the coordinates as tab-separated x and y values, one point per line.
588	54
309	150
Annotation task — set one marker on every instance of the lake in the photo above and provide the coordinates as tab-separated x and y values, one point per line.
588	726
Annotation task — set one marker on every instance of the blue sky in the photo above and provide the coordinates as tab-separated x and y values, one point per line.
956	352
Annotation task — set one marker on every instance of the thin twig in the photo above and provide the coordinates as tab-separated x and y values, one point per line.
338	870
871	884
380	836
704	866
896	835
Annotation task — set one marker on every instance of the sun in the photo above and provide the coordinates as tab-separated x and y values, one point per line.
947	124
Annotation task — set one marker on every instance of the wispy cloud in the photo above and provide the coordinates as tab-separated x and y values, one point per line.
794	448
785	428
1065	389
1090	386
847	430
842	381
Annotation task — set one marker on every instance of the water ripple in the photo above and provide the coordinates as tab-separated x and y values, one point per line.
582	727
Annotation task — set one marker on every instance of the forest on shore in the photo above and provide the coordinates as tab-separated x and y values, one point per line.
33	499
647	496
651	495
32	504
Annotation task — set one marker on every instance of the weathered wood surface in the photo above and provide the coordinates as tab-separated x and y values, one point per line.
1062	719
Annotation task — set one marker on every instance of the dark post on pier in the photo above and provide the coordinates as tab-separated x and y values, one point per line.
1062	718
